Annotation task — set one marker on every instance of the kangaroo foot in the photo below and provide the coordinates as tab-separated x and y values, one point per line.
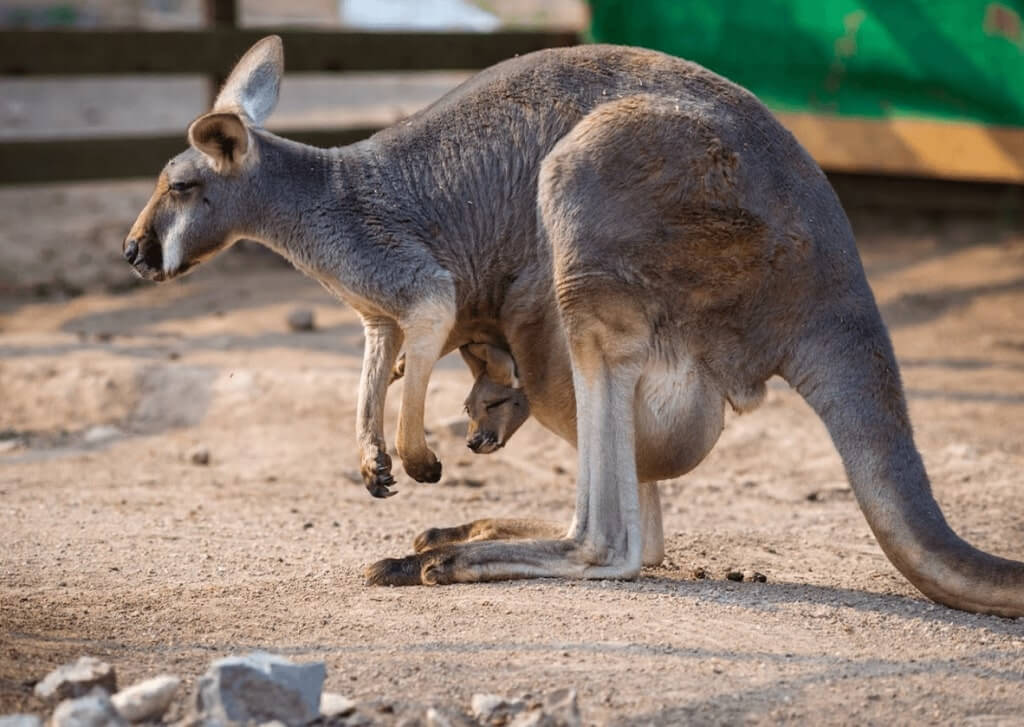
430	568
488	529
435	537
502	560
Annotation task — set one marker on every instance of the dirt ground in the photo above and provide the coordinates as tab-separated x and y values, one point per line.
114	544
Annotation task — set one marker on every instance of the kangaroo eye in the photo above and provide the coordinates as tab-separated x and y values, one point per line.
183	186
497	403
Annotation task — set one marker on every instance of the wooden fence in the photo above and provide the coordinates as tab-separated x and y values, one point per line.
863	170
212	51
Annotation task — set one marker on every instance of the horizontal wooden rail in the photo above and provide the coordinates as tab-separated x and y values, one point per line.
144	156
121	157
215	50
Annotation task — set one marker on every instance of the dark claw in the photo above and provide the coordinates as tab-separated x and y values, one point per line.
378	478
380	489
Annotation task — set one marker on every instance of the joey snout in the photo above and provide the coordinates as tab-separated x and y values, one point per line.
495	413
483	442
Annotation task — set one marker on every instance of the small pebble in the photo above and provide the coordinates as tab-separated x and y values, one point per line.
199	455
301	319
734	575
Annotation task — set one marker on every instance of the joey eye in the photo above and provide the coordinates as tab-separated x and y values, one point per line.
497	403
179	187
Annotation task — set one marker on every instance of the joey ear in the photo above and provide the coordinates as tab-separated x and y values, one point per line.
501	367
474	354
499	364
222	137
251	89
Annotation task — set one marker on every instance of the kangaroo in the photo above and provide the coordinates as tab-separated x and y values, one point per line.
643	237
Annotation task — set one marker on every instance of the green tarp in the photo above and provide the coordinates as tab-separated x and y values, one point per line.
947	59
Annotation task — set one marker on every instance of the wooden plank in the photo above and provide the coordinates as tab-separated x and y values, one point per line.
215	50
911	147
68	160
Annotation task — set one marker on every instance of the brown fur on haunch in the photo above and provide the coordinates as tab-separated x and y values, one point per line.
645	241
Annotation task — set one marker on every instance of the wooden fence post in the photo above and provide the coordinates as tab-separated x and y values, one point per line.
219	14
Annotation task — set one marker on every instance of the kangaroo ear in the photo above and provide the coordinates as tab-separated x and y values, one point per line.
222	137
251	89
499	364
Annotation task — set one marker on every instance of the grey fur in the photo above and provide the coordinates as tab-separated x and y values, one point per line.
643	237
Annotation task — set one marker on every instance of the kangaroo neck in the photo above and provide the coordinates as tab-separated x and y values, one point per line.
293	189
309	206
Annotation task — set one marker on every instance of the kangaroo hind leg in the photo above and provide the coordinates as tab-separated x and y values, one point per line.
608	345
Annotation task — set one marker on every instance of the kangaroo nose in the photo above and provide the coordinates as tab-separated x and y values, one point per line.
131	250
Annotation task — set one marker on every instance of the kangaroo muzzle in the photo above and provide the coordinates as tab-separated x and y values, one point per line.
145	255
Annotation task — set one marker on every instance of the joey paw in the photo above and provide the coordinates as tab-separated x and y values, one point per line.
377	475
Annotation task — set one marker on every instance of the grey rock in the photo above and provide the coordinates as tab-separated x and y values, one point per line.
335	705
77	679
94	710
490	709
455	426
148	700
260	687
301	319
20	720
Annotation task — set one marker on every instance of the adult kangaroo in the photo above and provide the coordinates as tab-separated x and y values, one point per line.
640	234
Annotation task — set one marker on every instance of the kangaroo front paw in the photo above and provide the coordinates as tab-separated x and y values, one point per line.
377	477
423	469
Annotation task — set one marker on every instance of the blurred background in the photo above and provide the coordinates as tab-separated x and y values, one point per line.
913	104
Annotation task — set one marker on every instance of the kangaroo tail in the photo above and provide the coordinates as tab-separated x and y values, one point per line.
845	368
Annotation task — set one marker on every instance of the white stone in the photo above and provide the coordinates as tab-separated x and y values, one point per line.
148	700
335	705
94	710
77	679
101	433
492	709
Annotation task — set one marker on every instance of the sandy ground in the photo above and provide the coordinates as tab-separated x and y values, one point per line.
114	544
